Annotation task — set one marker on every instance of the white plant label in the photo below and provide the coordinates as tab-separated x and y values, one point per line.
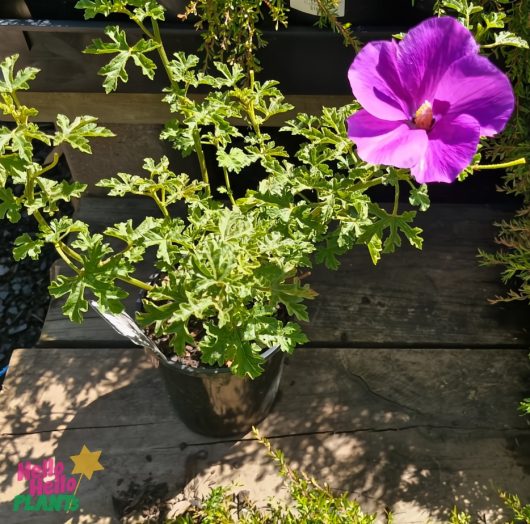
123	324
311	7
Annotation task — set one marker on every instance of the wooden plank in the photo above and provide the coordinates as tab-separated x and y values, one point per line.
146	108
415	430
436	297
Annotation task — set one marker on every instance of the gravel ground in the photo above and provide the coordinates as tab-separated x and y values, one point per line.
24	295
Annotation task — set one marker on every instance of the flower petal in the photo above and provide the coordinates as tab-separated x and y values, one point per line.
386	142
375	81
453	142
484	92
427	51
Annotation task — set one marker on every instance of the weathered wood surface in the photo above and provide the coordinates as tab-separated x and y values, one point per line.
437	297
147	108
415	430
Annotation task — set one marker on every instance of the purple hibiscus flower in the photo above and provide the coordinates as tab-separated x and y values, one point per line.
427	100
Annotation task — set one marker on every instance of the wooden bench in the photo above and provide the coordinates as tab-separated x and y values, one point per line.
413	430
407	396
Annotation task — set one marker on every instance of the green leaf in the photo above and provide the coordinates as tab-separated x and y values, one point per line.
25	246
95	7
247	361
78	132
230	76
142	9
375	247
292	297
15	81
11	166
9	205
419	197
494	20
180	337
271	332
327	254
183	68
509	39
221	346
19	140
235	160
115	70
60	228
148	9
76	304
389	228
100	278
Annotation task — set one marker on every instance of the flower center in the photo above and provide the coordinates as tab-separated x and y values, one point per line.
423	118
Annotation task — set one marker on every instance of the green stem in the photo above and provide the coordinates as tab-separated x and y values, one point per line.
396	200
65	258
160	205
49	167
70	252
139	24
41	221
518	162
228	188
137	283
366	185
250	109
303	197
162	52
14	96
63	249
489	46
202	160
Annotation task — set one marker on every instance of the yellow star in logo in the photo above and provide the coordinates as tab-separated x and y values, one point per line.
86	462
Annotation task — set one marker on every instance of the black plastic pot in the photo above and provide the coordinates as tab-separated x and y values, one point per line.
216	403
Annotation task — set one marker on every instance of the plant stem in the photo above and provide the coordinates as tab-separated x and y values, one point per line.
202	160
70	252
490	46
366	185
162	52
250	109
137	283
518	162
228	188
396	200
49	167
196	136
139	24
160	205
67	261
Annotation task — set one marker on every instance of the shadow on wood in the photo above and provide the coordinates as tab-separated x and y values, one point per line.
413	430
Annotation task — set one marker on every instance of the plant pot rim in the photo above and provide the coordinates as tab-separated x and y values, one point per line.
203	370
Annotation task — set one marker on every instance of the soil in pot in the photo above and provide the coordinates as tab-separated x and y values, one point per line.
212	400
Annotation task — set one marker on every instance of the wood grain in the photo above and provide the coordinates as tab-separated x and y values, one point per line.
437	297
147	108
415	430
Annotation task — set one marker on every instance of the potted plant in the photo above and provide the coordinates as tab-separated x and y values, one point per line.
232	287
